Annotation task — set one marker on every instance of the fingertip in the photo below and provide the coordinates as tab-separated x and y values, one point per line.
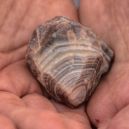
101	107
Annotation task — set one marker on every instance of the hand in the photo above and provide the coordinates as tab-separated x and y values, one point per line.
109	106
22	105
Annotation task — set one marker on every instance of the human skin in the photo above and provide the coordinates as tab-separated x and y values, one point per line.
22	105
109	105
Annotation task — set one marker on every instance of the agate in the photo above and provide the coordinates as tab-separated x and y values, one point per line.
68	60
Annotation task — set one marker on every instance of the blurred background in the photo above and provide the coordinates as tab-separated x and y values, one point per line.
77	2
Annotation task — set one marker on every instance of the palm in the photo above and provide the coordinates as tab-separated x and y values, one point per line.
21	102
21	94
109	105
111	97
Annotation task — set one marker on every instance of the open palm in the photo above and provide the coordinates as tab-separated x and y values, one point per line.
109	106
22	105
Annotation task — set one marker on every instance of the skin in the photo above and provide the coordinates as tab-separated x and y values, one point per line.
22	105
109	105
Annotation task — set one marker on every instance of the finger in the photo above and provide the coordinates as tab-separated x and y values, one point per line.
108	98
33	119
75	114
38	102
9	103
17	79
12	56
16	29
101	106
119	121
6	123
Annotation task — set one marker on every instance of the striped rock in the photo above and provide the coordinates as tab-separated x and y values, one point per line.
68	60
